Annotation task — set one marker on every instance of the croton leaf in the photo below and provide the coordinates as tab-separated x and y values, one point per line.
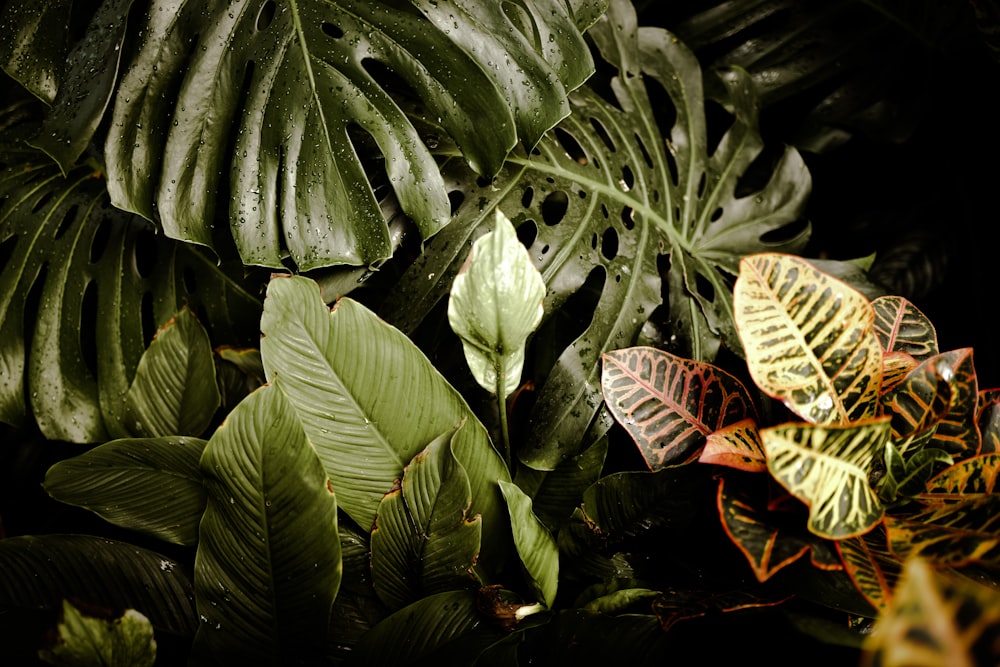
174	391
901	327
975	476
424	541
669	404
872	567
673	605
495	304
369	401
917	405
151	485
598	203
827	468
535	545
125	640
956	432
809	338
936	619
895	367
988	420
736	446
268	563
767	540
38	571
88	281
949	534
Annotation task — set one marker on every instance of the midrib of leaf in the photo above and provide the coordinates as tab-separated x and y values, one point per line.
307	61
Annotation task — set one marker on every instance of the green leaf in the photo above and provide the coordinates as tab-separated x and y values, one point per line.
556	494
99	275
827	468
423	541
174	391
151	485
36	572
34	49
495	304
535	545
288	80
369	401
625	504
268	564
82	640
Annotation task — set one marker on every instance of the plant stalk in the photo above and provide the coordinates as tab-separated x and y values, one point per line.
502	408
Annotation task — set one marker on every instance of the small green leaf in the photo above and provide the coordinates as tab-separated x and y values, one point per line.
495	304
125	641
152	485
535	544
174	391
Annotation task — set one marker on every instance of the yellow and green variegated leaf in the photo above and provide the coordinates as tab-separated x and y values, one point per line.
763	536
827	468
956	433
895	367
973	477
736	446
901	327
951	534
669	404
809	338
871	566
936	619
988	420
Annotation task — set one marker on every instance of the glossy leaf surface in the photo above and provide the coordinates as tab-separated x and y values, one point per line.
495	304
369	401
809	339
951	534
151	485
669	404
956	433
424	541
736	446
34	52
534	543
827	468
976	476
268	563
174	390
901	327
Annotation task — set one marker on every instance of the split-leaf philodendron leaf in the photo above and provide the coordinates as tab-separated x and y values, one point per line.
600	200
495	304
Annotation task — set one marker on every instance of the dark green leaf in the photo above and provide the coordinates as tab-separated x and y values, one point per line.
629	503
34	47
535	545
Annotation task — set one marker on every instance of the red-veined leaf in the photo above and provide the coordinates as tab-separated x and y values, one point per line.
827	468
895	367
988	420
669	404
871	566
917	405
957	432
736	446
901	327
951	534
976	476
809	338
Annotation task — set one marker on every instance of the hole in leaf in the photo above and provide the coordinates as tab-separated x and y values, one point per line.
483	181
609	244
666	111
645	153
331	30
455	198
67	220
704	287
593	241
785	232
627	177
99	243
527	196
627	217
41	201
7	251
144	253
671	165
388	80
716	214
604	212
718	121
266	15
148	318
570	145
554	207
88	327
759	172
602	132
701	184
527	232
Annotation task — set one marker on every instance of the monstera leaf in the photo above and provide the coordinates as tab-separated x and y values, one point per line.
601	200
276	108
84	288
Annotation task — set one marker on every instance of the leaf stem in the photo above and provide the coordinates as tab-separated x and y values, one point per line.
502	408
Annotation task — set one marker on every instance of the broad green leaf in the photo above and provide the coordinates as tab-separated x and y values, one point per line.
268	563
151	485
535	545
620	601
598	203
669	404
495	304
305	89
33	51
82	640
424	541
369	401
174	390
809	338
905	478
872	567
101	279
38	571
936	619
827	468
628	503
951	534
763	536
901	327
555	494
737	445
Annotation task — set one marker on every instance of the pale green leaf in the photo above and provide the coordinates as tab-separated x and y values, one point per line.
85	641
268	565
174	391
151	485
495	304
535	544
